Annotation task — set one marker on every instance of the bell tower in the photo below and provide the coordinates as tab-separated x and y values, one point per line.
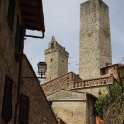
95	41
57	60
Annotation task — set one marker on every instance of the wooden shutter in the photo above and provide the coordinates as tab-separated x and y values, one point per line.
11	10
17	36
23	109
7	100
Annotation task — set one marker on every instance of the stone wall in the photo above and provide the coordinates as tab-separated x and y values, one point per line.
70	112
8	64
39	109
95	45
69	106
73	107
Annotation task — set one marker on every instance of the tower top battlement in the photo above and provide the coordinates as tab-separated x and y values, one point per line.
55	46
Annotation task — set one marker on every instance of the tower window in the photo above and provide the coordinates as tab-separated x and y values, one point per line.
62	61
51	59
52	45
104	71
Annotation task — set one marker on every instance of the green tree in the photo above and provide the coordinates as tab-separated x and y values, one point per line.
104	101
99	105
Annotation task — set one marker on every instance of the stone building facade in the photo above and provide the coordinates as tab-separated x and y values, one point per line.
73	107
20	98
95	44
57	60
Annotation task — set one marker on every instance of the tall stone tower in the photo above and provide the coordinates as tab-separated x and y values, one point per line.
57	60
95	44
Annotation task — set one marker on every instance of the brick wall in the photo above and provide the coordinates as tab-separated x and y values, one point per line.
64	82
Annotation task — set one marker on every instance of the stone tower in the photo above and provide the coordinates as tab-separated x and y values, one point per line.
57	60
95	43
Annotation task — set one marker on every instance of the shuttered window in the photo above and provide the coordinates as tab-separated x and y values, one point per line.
7	100
23	109
11	10
19	37
0	10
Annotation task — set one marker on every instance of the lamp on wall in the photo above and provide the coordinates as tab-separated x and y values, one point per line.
42	68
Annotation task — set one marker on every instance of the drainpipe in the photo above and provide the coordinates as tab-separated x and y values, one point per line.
18	91
22	29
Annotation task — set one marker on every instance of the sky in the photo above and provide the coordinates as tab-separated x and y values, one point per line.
62	20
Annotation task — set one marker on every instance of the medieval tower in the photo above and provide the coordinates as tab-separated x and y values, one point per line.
95	44
57	60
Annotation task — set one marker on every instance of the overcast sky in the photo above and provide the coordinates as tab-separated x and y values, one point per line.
62	19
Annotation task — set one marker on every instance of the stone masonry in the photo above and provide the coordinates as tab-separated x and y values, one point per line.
57	60
95	45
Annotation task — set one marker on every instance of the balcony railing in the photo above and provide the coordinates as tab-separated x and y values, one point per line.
93	82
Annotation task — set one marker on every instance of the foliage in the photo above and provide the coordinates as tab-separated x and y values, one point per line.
115	91
99	105
104	101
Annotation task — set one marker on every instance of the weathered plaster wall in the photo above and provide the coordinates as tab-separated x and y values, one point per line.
69	106
71	112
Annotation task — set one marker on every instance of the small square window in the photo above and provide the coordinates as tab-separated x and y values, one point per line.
51	59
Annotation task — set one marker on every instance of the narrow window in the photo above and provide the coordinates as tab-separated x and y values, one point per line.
7	100
51	59
11	10
52	45
23	109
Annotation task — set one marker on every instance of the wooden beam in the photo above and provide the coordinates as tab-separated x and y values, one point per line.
28	6
29	14
31	21
35	36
